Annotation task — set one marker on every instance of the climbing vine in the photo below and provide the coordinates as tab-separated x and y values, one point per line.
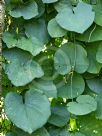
52	68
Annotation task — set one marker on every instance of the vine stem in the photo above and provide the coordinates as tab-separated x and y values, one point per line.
91	33
72	71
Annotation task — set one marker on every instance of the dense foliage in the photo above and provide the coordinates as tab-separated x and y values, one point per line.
52	68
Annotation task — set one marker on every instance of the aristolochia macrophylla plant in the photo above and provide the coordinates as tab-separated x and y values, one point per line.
52	67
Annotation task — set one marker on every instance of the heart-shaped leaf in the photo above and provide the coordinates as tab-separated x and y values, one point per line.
35	46
71	55
29	113
75	19
55	30
72	90
21	69
84	104
27	11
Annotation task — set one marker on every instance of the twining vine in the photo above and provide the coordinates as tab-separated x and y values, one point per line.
51	67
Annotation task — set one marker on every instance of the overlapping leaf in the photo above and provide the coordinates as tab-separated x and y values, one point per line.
21	69
75	19
34	107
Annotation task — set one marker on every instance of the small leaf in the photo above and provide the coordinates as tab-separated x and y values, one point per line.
84	104
55	30
77	21
35	108
95	85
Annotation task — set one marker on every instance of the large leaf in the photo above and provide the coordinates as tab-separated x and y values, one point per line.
93	34
95	85
94	66
28	113
21	69
37	29
55	30
60	116
47	86
84	104
27	11
71	55
49	1
33	45
76	19
62	4
72	90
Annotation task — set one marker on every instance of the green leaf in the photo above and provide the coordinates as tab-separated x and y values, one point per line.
40	132
33	45
71	90
49	1
27	11
98	13
71	55
65	132
62	4
29	113
9	134
99	53
60	116
47	86
9	39
84	104
90	126
94	66
99	106
37	29
77	21
55	30
93	34
95	85
21	69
